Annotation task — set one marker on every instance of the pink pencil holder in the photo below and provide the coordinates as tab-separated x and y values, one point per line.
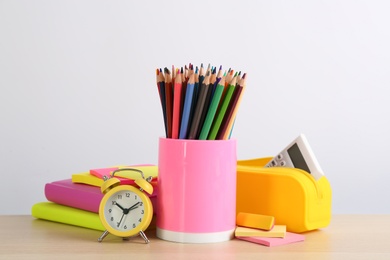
197	190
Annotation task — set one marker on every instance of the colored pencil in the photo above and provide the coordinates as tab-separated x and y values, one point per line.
230	112
195	124
187	107
208	69
212	110
220	74
169	98
221	113
228	133
229	77
238	76
185	78
199	104
201	74
194	98
173	72
207	101
161	90
177	105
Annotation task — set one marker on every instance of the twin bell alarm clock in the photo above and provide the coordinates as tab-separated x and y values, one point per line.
126	210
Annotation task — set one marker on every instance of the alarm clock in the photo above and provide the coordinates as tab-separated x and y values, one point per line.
125	210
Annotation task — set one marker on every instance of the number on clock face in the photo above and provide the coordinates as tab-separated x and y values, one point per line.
124	210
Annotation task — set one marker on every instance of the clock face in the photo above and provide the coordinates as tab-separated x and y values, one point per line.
126	211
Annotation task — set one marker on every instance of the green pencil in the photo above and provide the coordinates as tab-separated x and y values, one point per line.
212	110
222	111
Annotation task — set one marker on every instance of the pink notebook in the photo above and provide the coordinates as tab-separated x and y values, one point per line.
81	196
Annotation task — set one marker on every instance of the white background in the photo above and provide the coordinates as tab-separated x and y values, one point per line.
78	86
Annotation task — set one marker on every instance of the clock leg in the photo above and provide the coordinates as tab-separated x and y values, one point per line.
105	233
144	237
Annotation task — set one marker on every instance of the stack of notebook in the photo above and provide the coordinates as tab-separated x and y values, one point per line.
76	200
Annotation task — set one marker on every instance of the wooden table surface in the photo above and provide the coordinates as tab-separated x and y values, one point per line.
347	237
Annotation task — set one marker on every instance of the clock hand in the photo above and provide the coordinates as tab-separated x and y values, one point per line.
122	208
126	211
121	219
134	206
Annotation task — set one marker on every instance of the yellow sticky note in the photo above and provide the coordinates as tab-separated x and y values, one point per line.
276	231
87	178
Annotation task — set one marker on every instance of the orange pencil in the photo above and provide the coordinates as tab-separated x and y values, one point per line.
228	79
242	86
230	108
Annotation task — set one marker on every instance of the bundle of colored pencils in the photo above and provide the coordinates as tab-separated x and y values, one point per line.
199	104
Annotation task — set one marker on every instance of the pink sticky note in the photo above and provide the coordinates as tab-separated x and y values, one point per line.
108	171
275	241
103	172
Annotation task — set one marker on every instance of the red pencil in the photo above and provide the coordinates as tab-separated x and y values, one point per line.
177	105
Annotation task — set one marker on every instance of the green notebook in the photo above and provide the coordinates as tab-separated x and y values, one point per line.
67	215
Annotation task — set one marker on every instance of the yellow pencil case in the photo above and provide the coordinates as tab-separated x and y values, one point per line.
291	195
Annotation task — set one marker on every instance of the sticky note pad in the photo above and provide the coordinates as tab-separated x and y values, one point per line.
255	221
276	231
275	241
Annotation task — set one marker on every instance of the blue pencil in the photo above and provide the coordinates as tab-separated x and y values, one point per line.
194	96
187	107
